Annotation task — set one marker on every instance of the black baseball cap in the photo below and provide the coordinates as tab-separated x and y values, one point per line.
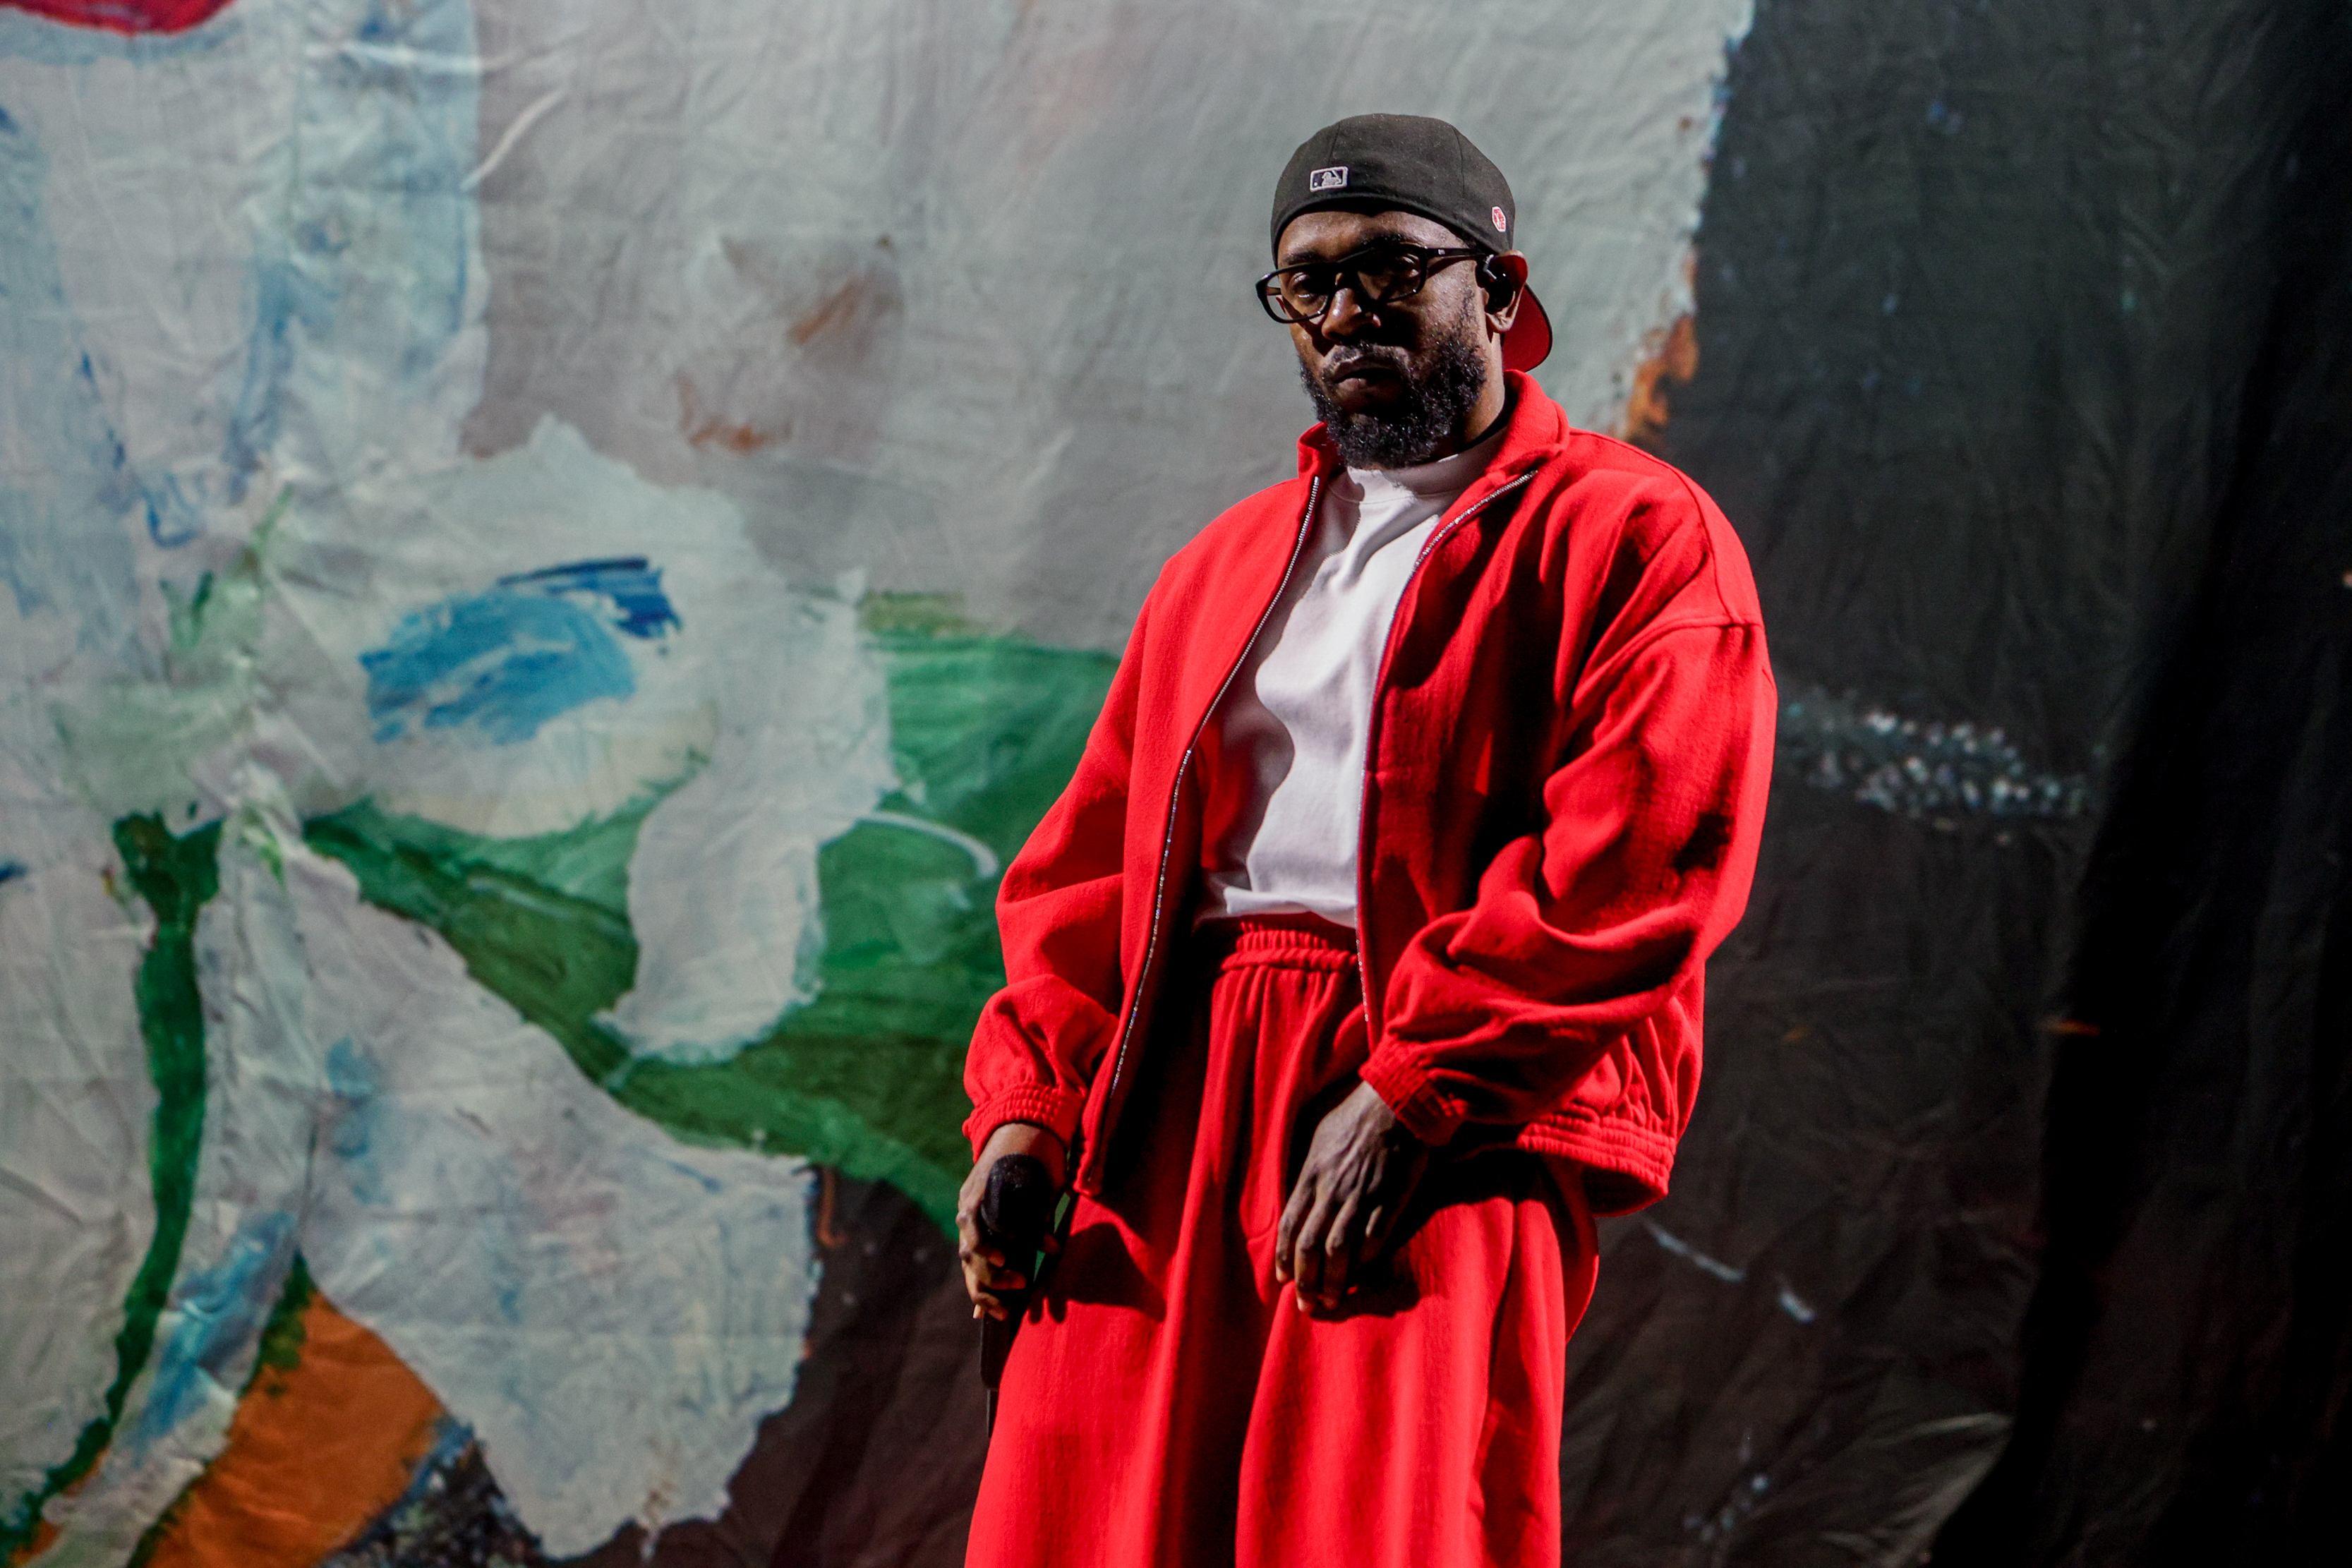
1416	164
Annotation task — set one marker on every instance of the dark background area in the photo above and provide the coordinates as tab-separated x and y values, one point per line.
2011	1229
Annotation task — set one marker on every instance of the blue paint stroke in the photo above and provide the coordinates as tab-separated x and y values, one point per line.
285	298
381	1148
218	1311
635	590
359	1132
12	869
370	264
505	663
708	1182
451	1438
539	644
62	502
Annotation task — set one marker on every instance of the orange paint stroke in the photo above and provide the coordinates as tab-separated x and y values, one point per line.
836	310
315	1452
44	1533
1672	361
828	1189
702	430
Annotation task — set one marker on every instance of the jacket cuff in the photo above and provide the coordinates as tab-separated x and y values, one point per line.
1407	1091
1049	1107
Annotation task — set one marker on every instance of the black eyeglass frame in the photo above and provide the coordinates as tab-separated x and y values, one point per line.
1345	273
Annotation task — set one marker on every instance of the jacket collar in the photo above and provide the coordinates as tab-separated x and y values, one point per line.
1534	432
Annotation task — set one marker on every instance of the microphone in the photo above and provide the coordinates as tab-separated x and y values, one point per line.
1016	1210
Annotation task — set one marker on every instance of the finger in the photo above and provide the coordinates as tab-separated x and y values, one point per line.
996	1276
986	1270
1339	1252
992	1291
1305	1257
1286	1239
1310	1258
1378	1225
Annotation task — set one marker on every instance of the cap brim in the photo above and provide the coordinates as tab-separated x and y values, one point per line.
1530	339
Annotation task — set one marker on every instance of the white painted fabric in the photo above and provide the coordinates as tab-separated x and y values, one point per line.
1287	796
795	367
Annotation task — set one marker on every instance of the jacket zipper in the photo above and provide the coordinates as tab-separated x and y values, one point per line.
1372	744
1176	798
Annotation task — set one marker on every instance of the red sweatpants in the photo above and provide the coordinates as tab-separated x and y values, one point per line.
1165	1405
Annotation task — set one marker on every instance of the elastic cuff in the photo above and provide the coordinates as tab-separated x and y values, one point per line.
1048	1105
1407	1091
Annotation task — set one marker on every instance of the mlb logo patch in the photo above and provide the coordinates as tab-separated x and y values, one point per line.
1502	224
1335	178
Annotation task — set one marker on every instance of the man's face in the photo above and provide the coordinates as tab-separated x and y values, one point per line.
1392	381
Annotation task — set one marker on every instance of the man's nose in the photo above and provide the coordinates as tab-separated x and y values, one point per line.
1346	315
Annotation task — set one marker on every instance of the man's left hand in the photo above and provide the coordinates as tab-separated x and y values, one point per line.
1361	1167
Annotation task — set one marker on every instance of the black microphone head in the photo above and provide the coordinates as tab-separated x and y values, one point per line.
1017	1205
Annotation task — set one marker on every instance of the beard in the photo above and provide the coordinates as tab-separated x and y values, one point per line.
1438	395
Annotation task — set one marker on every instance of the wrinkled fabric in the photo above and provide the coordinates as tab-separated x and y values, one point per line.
1570	747
1165	1403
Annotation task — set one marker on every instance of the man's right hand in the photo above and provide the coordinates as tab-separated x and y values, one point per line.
986	1270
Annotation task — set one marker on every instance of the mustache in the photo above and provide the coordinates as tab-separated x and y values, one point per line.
1341	360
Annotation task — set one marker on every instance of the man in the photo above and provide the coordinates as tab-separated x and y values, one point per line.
1361	962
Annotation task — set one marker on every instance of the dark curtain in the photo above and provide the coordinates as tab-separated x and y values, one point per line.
2015	1226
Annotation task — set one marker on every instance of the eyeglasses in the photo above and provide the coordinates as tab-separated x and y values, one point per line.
1379	274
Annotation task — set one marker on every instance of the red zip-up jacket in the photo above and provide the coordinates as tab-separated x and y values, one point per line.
1569	745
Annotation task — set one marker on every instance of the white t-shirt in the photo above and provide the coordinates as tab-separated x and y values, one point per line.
1286	791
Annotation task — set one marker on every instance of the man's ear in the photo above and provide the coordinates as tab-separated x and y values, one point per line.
1505	278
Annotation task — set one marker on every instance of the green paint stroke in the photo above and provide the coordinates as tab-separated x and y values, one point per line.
557	957
283	1336
868	1077
175	877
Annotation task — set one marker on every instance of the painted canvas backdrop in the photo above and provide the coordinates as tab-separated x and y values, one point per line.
553	550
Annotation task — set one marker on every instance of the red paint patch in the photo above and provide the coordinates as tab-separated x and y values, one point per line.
124	16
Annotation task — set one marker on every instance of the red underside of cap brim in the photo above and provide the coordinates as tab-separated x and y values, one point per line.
1530	339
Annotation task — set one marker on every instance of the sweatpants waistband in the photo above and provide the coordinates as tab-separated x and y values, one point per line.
1282	942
